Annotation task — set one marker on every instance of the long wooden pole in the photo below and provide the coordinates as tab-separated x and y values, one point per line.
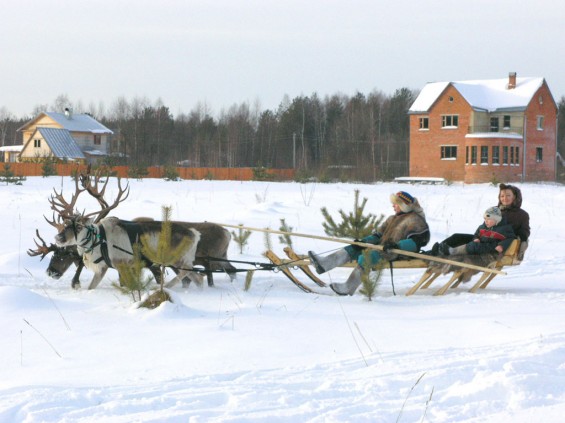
370	246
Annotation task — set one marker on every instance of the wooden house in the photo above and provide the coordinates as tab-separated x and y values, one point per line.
486	130
65	136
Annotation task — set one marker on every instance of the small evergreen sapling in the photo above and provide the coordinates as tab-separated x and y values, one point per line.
370	277
163	255
8	176
241	237
131	276
285	239
354	225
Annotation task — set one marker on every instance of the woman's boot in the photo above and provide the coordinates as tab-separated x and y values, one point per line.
350	285
323	264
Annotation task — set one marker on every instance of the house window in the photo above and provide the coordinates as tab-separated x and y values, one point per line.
511	155
450	99
495	154
467	155
517	152
37	143
448	152
539	154
493	124
474	154
505	155
449	121
484	154
540	123
424	123
97	139
506	121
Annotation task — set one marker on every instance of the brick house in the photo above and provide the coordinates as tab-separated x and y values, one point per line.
65	136
480	131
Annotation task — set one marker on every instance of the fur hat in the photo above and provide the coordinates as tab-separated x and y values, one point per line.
493	213
404	200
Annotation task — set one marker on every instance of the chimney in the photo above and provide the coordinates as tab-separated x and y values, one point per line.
511	80
68	113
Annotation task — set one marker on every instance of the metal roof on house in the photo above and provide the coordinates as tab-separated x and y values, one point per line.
79	122
61	143
488	95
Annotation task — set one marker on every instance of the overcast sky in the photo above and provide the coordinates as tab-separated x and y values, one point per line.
228	52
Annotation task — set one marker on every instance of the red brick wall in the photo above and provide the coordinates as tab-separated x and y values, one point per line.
425	146
546	139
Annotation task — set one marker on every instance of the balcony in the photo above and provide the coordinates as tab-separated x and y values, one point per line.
513	130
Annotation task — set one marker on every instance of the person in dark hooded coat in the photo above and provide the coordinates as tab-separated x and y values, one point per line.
406	229
510	204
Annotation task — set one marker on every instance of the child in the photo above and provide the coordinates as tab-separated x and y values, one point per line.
493	236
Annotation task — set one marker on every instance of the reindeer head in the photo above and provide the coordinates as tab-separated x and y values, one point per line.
62	259
71	228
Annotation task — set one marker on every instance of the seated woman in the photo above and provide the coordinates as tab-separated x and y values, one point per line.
406	230
510	204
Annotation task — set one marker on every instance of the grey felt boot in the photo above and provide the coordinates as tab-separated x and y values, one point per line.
323	264
350	285
462	249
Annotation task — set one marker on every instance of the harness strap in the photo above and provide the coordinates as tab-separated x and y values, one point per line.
103	247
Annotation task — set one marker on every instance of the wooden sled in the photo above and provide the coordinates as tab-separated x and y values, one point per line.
510	258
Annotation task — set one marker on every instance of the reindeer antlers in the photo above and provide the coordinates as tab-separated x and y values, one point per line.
63	208
42	250
91	184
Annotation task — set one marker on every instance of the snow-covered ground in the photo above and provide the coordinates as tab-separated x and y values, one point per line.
275	353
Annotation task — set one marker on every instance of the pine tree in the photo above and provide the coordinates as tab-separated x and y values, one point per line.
48	167
163	255
131	276
285	239
370	277
241	237
9	177
353	225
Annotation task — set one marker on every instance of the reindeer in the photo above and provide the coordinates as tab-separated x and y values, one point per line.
211	250
211	254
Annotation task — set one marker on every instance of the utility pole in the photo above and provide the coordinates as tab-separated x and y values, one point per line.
294	150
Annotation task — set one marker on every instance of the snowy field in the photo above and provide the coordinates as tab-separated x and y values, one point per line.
275	353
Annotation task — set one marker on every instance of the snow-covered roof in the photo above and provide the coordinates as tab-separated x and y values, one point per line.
61	143
79	123
488	95
12	148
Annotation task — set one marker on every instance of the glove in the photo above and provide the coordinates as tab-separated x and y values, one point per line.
389	245
357	248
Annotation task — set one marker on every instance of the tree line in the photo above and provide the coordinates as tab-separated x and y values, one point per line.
362	137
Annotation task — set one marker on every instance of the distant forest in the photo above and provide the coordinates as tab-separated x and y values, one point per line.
362	137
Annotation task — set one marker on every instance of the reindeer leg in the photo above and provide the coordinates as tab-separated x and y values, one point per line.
75	284
97	278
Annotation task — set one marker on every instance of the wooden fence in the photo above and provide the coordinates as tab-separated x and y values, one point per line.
225	174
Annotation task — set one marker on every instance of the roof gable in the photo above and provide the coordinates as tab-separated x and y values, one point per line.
489	95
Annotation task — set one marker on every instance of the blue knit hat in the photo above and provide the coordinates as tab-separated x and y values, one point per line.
404	200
